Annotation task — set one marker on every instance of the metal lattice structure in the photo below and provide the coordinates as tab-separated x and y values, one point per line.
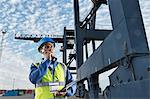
124	47
64	39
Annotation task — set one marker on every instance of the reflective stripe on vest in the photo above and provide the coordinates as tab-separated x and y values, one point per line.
54	86
48	84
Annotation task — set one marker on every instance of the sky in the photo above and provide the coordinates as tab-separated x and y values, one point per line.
42	17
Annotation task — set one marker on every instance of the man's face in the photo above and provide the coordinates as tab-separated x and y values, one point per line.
47	50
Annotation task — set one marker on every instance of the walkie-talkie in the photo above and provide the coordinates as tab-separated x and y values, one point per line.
53	59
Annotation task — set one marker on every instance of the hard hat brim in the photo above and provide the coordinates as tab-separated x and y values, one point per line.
39	48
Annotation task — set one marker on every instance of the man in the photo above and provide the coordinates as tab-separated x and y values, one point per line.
50	76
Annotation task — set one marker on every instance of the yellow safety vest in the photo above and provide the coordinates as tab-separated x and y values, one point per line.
44	91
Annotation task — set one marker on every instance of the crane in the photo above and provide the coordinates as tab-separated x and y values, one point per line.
67	41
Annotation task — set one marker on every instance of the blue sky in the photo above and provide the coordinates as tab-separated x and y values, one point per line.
41	17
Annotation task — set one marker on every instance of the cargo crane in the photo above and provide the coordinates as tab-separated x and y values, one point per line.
125	47
67	41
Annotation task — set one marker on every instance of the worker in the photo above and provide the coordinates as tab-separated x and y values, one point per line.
50	76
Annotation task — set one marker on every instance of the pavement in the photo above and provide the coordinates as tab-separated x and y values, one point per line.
26	97
17	97
31	97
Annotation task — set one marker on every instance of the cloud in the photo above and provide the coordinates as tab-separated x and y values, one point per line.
14	67
145	9
15	1
42	17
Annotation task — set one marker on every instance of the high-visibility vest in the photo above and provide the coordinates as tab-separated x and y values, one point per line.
51	83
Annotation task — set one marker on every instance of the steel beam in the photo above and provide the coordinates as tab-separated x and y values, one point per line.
92	27
64	47
95	34
132	90
92	13
36	37
93	84
78	35
128	37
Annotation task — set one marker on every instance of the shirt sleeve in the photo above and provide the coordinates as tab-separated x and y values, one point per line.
36	73
71	91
